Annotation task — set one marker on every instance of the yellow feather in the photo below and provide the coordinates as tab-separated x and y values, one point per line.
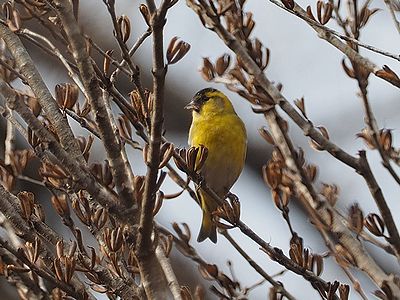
217	127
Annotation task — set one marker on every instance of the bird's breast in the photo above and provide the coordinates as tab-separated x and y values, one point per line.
225	139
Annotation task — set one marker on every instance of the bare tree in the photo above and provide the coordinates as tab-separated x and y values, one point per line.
131	259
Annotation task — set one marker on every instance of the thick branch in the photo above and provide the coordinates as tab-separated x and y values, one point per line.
157	119
97	102
35	81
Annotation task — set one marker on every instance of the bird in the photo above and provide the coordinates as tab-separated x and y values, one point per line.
217	127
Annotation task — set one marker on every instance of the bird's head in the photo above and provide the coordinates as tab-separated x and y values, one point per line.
210	101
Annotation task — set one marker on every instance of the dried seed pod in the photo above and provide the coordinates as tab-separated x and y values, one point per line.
167	150
344	291
301	105
248	24
229	212
366	135
158	203
356	218
207	70
238	74
387	74
60	204
19	160
310	13
385	139
332	290
185	235
33	140
124	27
58	269
191	156
72	249
311	172
98	219
84	218
107	61
85	145
17	269
13	18
138	184
79	240
266	135
70	265
145	13
60	249
296	250
289	4
34	105
318	264
325	134
235	204
330	192
272	174
222	64
124	127
201	158
27	201
66	95
39	212
166	244
103	173
365	14
375	224
324	12
176	50
348	70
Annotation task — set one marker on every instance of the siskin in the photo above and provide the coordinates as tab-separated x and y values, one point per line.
216	126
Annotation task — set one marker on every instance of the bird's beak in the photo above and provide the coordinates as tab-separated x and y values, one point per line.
193	106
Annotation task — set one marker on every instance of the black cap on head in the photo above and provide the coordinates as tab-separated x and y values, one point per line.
199	98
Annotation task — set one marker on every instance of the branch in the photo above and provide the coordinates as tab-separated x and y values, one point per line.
157	118
154	283
330	36
387	217
97	102
278	286
47	102
169	273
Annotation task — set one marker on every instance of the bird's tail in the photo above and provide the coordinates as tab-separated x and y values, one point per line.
208	228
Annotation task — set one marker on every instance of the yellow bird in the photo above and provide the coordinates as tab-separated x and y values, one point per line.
216	126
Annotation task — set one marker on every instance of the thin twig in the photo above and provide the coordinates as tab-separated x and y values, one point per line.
57	52
331	37
389	4
279	287
132	51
